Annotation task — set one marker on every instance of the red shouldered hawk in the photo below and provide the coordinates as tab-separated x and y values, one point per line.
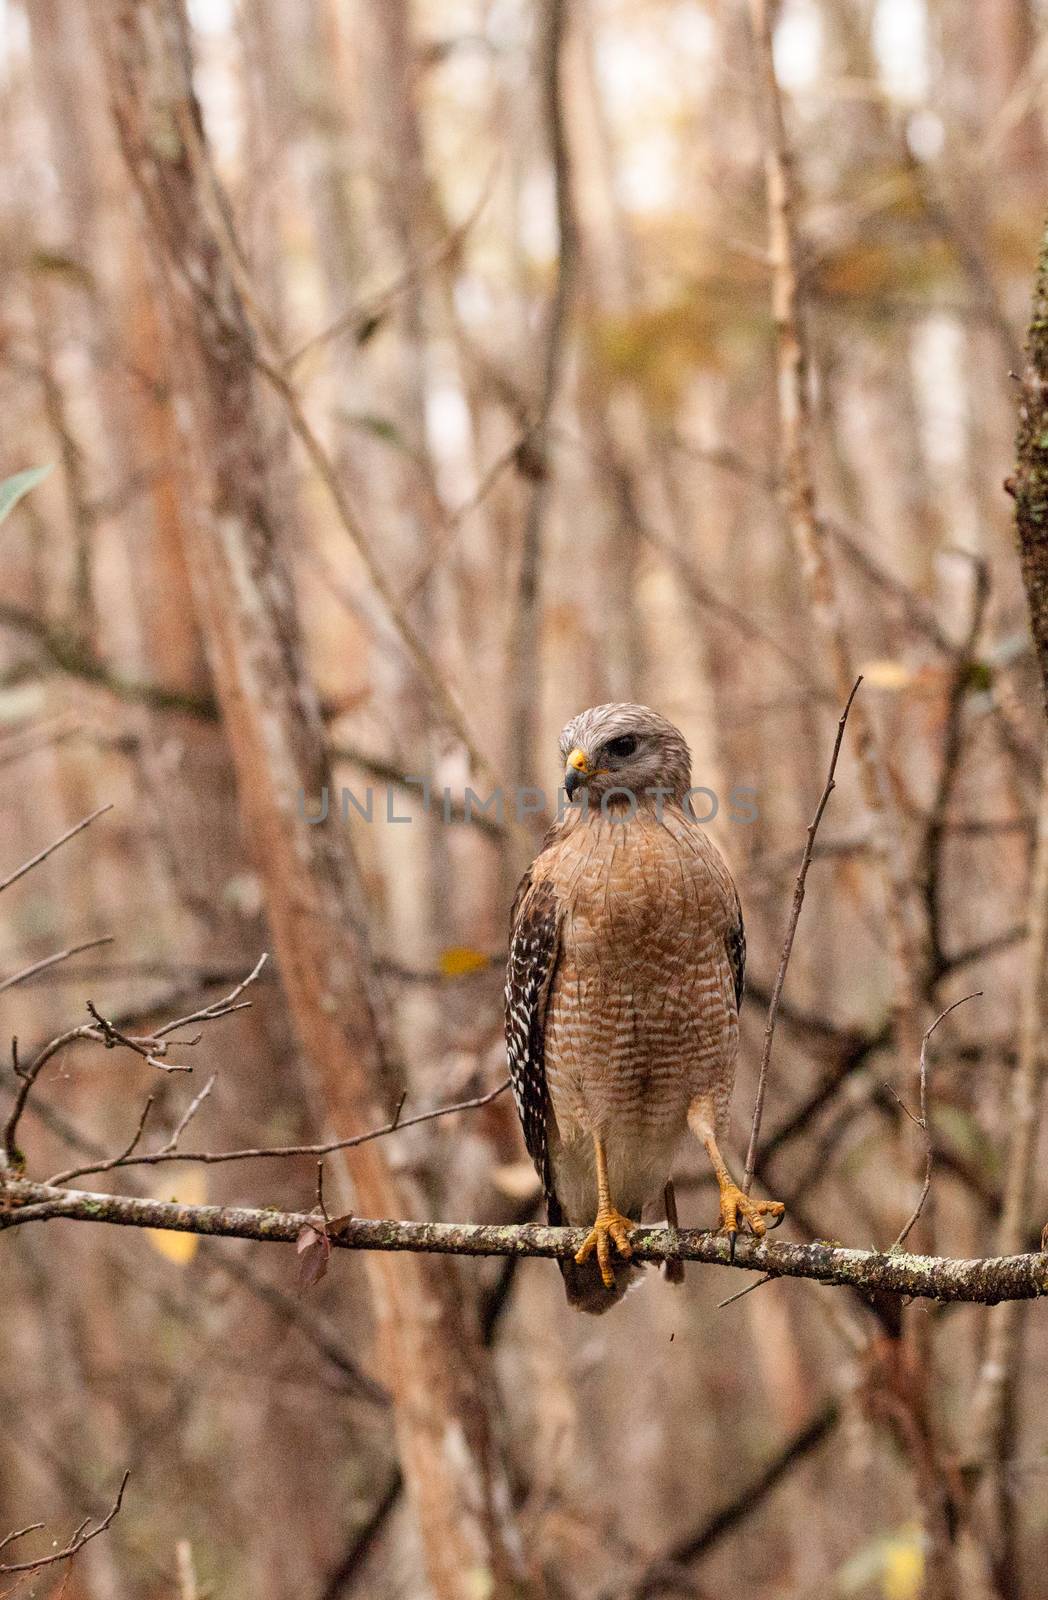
622	994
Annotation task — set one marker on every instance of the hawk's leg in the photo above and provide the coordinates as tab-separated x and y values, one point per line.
734	1204
609	1227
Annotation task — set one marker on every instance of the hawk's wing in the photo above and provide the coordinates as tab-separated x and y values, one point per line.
736	942
533	951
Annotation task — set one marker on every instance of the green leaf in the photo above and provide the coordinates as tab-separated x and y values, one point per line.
379	427
12	489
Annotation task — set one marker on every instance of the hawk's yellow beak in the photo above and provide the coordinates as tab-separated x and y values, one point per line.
576	768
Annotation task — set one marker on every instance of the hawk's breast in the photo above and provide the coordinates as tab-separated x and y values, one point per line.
638	1020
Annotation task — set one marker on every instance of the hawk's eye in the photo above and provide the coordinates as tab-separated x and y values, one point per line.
623	747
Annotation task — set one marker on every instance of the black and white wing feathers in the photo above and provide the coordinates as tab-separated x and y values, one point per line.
534	948
736	943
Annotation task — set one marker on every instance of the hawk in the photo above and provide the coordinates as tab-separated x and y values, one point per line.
623	987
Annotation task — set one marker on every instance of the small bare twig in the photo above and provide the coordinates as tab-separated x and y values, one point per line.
740	1293
82	1536
151	1046
42	855
220	1008
364	318
53	961
321	1206
787	947
929	871
26	1078
115	1161
924	1120
213	1157
189	1113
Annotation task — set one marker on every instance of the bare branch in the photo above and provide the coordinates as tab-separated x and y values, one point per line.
983	1281
53	961
263	1152
924	1120
188	1115
83	1535
929	868
218	1008
697	1544
149	1049
523	648
42	855
366	316
151	1046
27	1076
787	948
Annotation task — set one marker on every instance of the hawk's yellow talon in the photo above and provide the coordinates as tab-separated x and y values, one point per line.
737	1208
610	1227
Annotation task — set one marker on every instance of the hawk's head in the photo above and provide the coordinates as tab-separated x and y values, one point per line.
625	747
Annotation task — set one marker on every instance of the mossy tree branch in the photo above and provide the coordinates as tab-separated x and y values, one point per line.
985	1281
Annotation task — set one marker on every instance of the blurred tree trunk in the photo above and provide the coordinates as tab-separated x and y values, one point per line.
1031	480
312	889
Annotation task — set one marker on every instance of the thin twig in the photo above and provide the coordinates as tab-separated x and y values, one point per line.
83	1535
150	1045
118	1160
42	855
219	1008
697	1544
148	1049
189	1113
924	1120
263	1152
523	650
916	610
741	1293
365	317
27	1076
787	947
53	961
929	868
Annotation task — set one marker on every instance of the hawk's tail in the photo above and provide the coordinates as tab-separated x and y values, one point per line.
585	1287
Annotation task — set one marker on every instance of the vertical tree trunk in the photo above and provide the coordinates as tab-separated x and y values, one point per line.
1031	479
313	893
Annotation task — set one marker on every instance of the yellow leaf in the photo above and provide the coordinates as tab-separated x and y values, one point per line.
190	1190
177	1247
902	1576
459	959
517	1179
886	674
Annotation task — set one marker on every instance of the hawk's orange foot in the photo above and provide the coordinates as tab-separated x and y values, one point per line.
610	1226
735	1205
